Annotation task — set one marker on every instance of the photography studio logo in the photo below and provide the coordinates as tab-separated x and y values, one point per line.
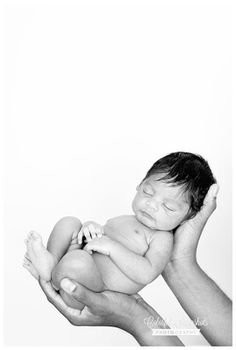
174	327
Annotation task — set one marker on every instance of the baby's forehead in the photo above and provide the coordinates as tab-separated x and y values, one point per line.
171	190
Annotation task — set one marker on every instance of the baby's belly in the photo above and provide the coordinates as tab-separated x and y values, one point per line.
113	277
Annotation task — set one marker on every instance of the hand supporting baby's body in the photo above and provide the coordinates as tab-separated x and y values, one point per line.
124	255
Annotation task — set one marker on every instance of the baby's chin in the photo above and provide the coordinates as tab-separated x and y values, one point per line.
162	228
153	225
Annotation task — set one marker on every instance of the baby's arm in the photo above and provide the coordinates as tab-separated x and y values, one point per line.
144	269
141	269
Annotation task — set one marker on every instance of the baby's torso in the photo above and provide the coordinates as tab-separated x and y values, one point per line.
129	232
134	236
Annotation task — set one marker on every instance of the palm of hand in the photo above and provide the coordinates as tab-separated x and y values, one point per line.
105	309
104	313
186	238
187	235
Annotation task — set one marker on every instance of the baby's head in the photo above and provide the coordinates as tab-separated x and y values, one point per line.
172	191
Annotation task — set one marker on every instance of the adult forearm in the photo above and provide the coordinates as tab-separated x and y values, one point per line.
145	325
145	337
202	299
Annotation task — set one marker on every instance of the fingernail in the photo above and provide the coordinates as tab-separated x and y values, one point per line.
67	285
215	191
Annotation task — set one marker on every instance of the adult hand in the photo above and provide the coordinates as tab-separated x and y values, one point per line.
101	309
128	312
197	293
187	235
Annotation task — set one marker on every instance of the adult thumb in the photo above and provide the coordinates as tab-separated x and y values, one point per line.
81	293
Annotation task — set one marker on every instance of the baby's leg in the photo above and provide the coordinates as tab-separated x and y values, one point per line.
79	266
62	238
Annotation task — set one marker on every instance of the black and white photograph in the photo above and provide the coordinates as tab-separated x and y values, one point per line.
117	227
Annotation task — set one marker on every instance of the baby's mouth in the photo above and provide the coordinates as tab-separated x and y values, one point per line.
146	215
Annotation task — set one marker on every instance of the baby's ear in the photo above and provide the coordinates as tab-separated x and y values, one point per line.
138	187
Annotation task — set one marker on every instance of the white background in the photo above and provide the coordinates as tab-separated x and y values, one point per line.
95	93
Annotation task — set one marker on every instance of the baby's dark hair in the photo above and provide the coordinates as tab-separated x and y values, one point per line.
188	170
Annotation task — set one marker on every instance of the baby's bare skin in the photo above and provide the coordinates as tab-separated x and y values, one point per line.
134	236
123	229
97	271
131	252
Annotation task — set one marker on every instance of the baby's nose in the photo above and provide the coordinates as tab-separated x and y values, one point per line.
153	205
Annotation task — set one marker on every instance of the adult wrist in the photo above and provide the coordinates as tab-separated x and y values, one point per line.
180	266
145	331
132	321
139	329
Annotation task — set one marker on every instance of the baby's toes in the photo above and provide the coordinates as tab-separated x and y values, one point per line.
33	235
34	239
27	257
26	262
28	237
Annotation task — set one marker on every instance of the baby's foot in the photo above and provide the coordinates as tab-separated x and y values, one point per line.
27	264
40	258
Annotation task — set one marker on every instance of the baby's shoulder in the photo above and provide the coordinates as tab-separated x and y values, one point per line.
118	220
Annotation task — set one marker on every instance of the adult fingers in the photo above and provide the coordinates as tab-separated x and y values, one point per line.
209	204
74	316
53	297
212	193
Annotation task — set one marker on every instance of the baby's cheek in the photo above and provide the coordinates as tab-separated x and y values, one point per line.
168	223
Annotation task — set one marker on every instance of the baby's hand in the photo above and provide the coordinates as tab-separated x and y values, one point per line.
90	230
101	245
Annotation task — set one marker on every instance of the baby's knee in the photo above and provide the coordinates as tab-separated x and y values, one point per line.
69	222
74	265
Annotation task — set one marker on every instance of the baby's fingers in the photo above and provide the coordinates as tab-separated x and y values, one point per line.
87	234
88	249
92	231
99	232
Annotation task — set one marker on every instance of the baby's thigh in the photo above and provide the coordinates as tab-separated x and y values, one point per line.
113	278
78	265
63	235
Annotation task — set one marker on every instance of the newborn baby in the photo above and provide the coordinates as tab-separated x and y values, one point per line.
129	251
